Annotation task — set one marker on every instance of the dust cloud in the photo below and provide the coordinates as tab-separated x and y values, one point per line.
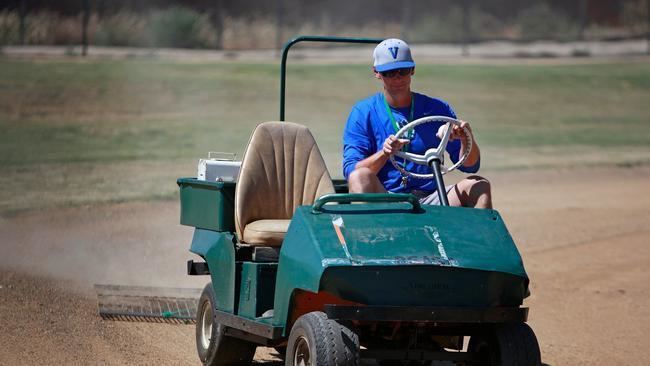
127	244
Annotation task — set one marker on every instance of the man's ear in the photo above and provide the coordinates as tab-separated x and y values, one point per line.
377	74
413	71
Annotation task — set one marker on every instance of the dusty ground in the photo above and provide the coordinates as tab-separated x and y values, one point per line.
584	236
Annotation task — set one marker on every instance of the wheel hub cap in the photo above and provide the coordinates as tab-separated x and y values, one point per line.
302	353
206	325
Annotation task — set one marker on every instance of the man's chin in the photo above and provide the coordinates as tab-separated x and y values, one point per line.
399	88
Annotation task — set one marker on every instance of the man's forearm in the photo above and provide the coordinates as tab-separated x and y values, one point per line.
374	162
474	154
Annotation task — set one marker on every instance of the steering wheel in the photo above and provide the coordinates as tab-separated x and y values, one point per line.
432	154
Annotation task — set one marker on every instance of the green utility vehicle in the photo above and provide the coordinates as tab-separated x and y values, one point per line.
330	278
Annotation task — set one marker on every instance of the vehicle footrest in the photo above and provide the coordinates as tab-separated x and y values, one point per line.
197	268
266	254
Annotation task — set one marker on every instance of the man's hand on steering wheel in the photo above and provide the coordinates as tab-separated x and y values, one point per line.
392	145
451	127
457	132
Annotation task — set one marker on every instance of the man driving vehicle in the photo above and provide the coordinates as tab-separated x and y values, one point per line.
369	137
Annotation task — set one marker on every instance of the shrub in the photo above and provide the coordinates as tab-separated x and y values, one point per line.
41	27
121	29
180	27
9	24
635	16
541	22
172	27
439	28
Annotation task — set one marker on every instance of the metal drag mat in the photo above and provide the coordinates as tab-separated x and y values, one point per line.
147	304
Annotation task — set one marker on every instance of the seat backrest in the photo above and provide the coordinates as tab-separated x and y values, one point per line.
281	170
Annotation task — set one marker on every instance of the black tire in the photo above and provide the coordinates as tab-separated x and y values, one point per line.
507	345
213	346
319	341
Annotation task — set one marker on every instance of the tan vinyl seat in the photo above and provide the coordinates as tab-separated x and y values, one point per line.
281	170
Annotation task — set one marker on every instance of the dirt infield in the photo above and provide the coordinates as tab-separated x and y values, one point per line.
583	234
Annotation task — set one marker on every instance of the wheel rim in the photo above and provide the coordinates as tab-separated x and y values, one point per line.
206	325
302	353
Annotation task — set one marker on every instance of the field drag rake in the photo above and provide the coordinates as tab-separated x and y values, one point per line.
147	304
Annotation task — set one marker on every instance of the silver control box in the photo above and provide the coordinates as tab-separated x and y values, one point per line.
222	168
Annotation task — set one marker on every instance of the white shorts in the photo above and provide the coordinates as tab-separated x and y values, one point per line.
427	198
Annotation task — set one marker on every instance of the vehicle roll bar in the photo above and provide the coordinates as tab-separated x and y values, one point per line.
287	46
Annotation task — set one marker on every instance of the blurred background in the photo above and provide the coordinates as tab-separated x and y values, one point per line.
251	24
167	81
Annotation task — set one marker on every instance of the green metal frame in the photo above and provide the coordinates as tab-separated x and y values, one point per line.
366	197
327	39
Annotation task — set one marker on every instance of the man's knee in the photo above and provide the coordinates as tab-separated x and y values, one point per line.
360	175
474	191
478	185
363	180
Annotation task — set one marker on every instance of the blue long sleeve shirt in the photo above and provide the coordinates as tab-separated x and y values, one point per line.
369	125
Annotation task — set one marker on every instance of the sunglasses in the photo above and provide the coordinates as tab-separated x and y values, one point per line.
393	73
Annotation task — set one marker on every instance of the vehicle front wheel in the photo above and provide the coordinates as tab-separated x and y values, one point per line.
317	340
214	347
507	345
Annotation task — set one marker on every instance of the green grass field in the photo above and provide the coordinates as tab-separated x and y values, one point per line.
82	132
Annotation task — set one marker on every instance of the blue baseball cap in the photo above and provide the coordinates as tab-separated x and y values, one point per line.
392	54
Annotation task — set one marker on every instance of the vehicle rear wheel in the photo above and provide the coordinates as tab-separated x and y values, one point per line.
214	347
507	345
317	340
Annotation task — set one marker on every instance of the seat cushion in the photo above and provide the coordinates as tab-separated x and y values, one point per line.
266	232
